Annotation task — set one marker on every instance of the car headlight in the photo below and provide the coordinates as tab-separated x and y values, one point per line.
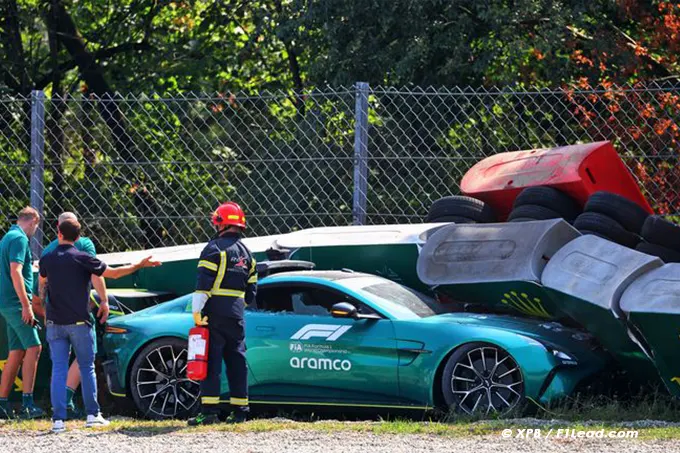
563	355
116	330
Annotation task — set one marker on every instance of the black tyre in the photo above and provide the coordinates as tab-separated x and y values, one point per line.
459	206
454	219
534	212
660	231
522	219
158	382
550	198
666	254
480	378
629	214
595	233
607	227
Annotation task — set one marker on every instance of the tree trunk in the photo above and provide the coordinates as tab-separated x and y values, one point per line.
93	75
55	131
13	65
16	77
294	66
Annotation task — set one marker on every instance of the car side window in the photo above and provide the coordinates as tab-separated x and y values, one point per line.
273	299
311	301
304	300
319	302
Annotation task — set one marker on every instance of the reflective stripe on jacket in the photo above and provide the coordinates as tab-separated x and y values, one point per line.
226	273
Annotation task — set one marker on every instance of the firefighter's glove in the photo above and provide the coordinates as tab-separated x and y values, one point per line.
200	321
198	301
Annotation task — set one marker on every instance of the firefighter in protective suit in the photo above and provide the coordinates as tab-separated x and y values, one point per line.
225	284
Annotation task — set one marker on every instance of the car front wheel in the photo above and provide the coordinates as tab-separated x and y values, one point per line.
158	381
481	378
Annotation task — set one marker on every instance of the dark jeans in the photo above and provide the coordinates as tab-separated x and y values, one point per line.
60	339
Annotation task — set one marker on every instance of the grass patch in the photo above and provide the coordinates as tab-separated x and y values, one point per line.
135	428
653	415
400	426
650	406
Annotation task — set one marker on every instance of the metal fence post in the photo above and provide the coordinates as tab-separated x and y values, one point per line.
360	154
37	164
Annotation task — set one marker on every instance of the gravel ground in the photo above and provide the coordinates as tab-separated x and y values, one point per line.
302	441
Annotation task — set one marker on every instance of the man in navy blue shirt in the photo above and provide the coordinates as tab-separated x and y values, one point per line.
65	275
84	244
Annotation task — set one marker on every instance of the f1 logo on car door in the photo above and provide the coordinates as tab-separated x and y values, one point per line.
339	359
329	332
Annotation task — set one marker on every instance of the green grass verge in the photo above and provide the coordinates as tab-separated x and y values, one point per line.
646	406
657	430
654	415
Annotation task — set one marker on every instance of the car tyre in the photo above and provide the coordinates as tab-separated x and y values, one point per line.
534	212
660	231
594	233
459	206
481	378
629	214
666	254
158	382
548	197
522	219
603	225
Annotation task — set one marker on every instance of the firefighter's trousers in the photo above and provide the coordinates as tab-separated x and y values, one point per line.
226	343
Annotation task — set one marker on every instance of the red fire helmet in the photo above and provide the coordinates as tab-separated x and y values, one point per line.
229	214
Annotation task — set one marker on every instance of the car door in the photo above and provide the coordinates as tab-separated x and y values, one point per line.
299	352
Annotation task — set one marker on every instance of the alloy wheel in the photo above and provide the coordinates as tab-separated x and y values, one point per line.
487	379
162	383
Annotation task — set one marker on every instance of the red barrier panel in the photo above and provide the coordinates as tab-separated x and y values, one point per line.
578	170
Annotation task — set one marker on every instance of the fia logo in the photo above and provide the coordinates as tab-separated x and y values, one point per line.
296	347
328	332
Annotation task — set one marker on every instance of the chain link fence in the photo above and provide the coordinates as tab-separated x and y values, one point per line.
147	171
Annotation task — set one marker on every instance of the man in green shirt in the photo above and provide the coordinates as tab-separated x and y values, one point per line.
83	244
16	286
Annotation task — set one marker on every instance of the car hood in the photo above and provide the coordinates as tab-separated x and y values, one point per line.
547	332
173	306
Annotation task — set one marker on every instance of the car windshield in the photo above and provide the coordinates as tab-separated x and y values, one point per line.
413	301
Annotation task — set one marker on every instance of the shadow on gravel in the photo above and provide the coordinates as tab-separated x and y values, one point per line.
131	431
148	431
346	415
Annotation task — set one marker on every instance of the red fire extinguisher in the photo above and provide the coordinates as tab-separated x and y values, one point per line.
197	365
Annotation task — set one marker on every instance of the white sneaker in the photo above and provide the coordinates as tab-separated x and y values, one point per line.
96	420
58	426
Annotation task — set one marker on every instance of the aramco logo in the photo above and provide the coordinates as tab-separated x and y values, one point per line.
314	363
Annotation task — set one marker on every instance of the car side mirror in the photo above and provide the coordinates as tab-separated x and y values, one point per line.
344	310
